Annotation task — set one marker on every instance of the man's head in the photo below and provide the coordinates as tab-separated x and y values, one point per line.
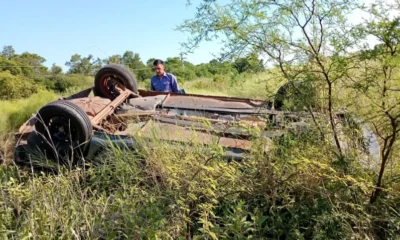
158	67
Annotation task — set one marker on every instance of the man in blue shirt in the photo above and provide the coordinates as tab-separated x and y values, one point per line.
163	81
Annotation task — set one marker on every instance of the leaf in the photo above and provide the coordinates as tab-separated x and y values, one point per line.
261	220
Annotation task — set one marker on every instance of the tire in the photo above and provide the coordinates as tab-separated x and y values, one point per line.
107	76
64	123
297	94
280	97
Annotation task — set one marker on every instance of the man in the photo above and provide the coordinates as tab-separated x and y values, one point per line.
163	81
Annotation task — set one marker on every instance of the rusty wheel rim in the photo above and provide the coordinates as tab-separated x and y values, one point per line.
108	83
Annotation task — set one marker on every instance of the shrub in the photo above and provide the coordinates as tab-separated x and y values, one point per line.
183	75
173	193
221	78
61	83
14	87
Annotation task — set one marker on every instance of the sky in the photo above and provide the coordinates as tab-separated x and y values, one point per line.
58	29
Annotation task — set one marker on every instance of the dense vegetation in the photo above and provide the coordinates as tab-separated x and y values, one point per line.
308	187
21	75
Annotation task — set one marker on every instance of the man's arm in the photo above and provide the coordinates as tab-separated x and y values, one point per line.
174	84
151	85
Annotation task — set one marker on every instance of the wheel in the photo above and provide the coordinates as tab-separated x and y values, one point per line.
110	75
297	95
64	125
280	97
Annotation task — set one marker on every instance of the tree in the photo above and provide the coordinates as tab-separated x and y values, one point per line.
182	72
8	51
378	84
15	87
86	65
202	70
249	63
150	62
221	67
306	39
33	60
55	70
74	64
11	66
117	59
134	62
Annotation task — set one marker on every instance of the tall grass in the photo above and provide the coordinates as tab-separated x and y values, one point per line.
161	192
15	113
300	190
262	85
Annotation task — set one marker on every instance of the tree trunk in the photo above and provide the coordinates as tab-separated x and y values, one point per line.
332	120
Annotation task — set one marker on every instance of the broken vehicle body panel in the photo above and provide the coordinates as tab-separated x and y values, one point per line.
190	119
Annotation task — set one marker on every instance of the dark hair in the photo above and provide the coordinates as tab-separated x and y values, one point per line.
158	61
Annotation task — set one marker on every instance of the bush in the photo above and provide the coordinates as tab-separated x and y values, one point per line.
14	87
183	75
221	79
11	66
61	83
202	71
143	74
293	193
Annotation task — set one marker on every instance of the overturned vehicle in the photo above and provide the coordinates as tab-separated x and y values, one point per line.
82	126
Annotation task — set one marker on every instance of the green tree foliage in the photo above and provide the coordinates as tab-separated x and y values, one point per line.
83	65
62	83
8	51
221	67
379	82
11	66
250	64
117	59
31	59
202	70
134	62
26	64
55	70
298	36
184	71
14	87
31	63
150	62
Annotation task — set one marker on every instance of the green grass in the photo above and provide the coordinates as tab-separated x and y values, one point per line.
15	113
294	193
260	86
300	190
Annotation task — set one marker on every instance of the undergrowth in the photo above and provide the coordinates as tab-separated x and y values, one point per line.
162	191
261	85
299	190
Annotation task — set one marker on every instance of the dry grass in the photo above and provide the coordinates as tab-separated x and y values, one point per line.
14	114
261	85
301	190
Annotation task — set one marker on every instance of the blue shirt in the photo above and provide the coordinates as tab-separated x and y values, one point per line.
167	83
